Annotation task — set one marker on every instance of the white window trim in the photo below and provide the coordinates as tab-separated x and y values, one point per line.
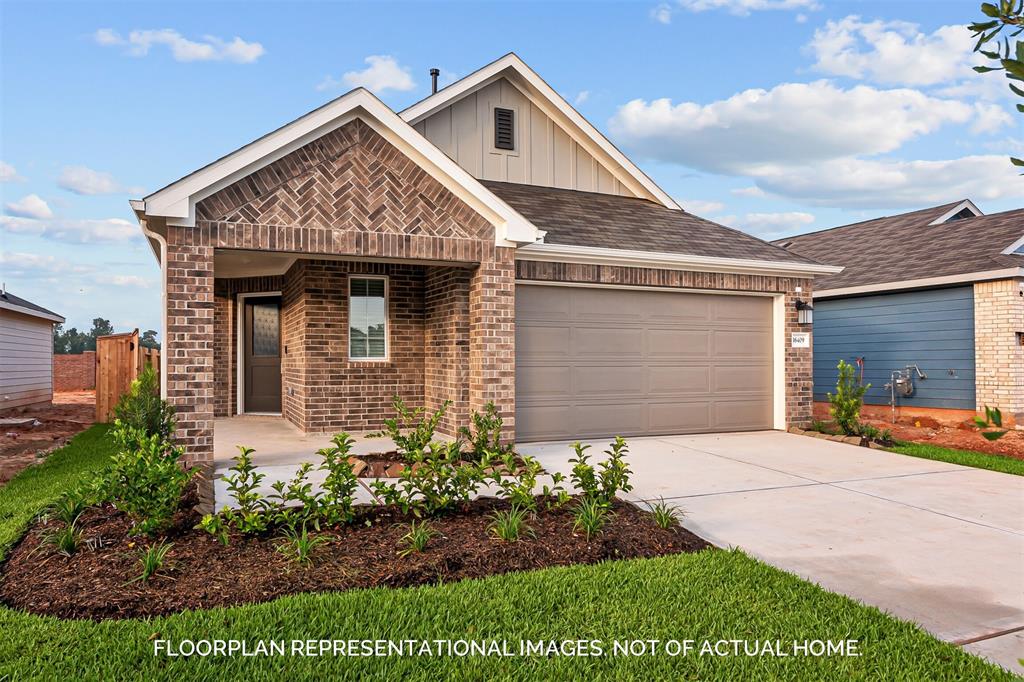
387	319
240	350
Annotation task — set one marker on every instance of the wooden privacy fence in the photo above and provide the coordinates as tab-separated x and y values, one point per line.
119	360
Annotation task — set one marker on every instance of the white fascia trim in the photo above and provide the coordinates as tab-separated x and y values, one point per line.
554	105
1006	273
1013	247
177	201
32	313
966	203
589	255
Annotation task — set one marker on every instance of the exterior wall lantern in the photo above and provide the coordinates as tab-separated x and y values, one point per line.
804	312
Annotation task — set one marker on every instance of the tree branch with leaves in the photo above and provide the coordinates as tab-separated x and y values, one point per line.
1008	16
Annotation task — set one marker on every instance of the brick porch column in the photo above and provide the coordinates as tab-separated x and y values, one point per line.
189	339
492	361
799	362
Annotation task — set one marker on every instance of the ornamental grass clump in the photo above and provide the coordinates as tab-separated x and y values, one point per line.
151	559
510	525
416	539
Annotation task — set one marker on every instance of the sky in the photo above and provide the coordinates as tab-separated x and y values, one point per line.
773	116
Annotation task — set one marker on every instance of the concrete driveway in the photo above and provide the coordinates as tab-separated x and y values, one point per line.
935	543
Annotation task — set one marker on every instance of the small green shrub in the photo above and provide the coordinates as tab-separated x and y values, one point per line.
416	539
66	540
293	501
411	430
590	516
141	408
299	545
609	480
519	484
146	482
820	426
992	425
249	518
510	525
217	526
485	436
665	515
152	560
435	481
340	484
847	400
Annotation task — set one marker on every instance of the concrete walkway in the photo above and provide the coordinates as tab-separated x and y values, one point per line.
935	543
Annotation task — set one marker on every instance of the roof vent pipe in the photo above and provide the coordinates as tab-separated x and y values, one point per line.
434	73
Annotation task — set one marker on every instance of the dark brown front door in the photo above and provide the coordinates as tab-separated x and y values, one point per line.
262	368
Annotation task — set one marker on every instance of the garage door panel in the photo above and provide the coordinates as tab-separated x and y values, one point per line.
640	362
679	343
668	380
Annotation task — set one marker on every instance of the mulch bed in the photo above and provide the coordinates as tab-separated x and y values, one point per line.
200	573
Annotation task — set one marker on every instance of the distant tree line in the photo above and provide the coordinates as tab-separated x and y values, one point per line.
71	341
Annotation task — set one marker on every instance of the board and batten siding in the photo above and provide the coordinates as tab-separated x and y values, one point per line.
933	329
26	359
545	154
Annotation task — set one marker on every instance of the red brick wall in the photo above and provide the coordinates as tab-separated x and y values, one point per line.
446	344
799	379
74	372
492	337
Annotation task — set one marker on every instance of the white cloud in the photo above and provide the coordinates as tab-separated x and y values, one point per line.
73	231
31	265
801	18
771	225
701	207
383	72
84	180
752	191
209	48
745	7
581	97
791	123
899	53
989	118
887	183
124	281
8	174
662	13
29	206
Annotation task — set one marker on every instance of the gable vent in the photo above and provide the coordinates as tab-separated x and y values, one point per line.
504	129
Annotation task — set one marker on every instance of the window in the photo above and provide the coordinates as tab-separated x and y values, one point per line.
504	129
367	318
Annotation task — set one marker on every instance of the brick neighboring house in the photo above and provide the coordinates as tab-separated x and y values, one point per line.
942	288
485	244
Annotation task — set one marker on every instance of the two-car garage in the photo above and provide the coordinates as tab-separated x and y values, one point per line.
596	361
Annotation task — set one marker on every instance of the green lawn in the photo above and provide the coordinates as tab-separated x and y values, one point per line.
712	595
980	460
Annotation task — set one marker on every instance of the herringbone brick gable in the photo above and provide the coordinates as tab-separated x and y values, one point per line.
350	178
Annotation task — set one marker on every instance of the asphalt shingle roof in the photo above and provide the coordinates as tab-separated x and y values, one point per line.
906	247
609	221
8	297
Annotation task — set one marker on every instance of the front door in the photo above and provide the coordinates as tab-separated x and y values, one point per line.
262	368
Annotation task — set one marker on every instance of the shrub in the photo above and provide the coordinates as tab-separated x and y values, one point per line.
146	482
611	479
665	515
152	560
412	430
281	505
485	436
847	400
340	484
520	485
298	546
141	408
510	525
993	421
66	539
819	426
217	526
435	481
590	516
416	539
248	518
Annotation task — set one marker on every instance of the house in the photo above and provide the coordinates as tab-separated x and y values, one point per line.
941	289
26	351
485	244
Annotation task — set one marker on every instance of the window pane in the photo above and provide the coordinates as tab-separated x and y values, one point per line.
264	329
367	319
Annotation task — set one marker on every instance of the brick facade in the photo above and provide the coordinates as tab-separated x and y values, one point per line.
999	355
799	376
74	372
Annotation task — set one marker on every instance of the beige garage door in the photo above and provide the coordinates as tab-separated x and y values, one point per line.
594	362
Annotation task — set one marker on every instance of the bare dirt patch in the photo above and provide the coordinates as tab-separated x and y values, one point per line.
23	446
964	436
201	573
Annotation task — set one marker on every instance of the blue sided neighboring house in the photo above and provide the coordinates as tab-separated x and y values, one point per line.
937	292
